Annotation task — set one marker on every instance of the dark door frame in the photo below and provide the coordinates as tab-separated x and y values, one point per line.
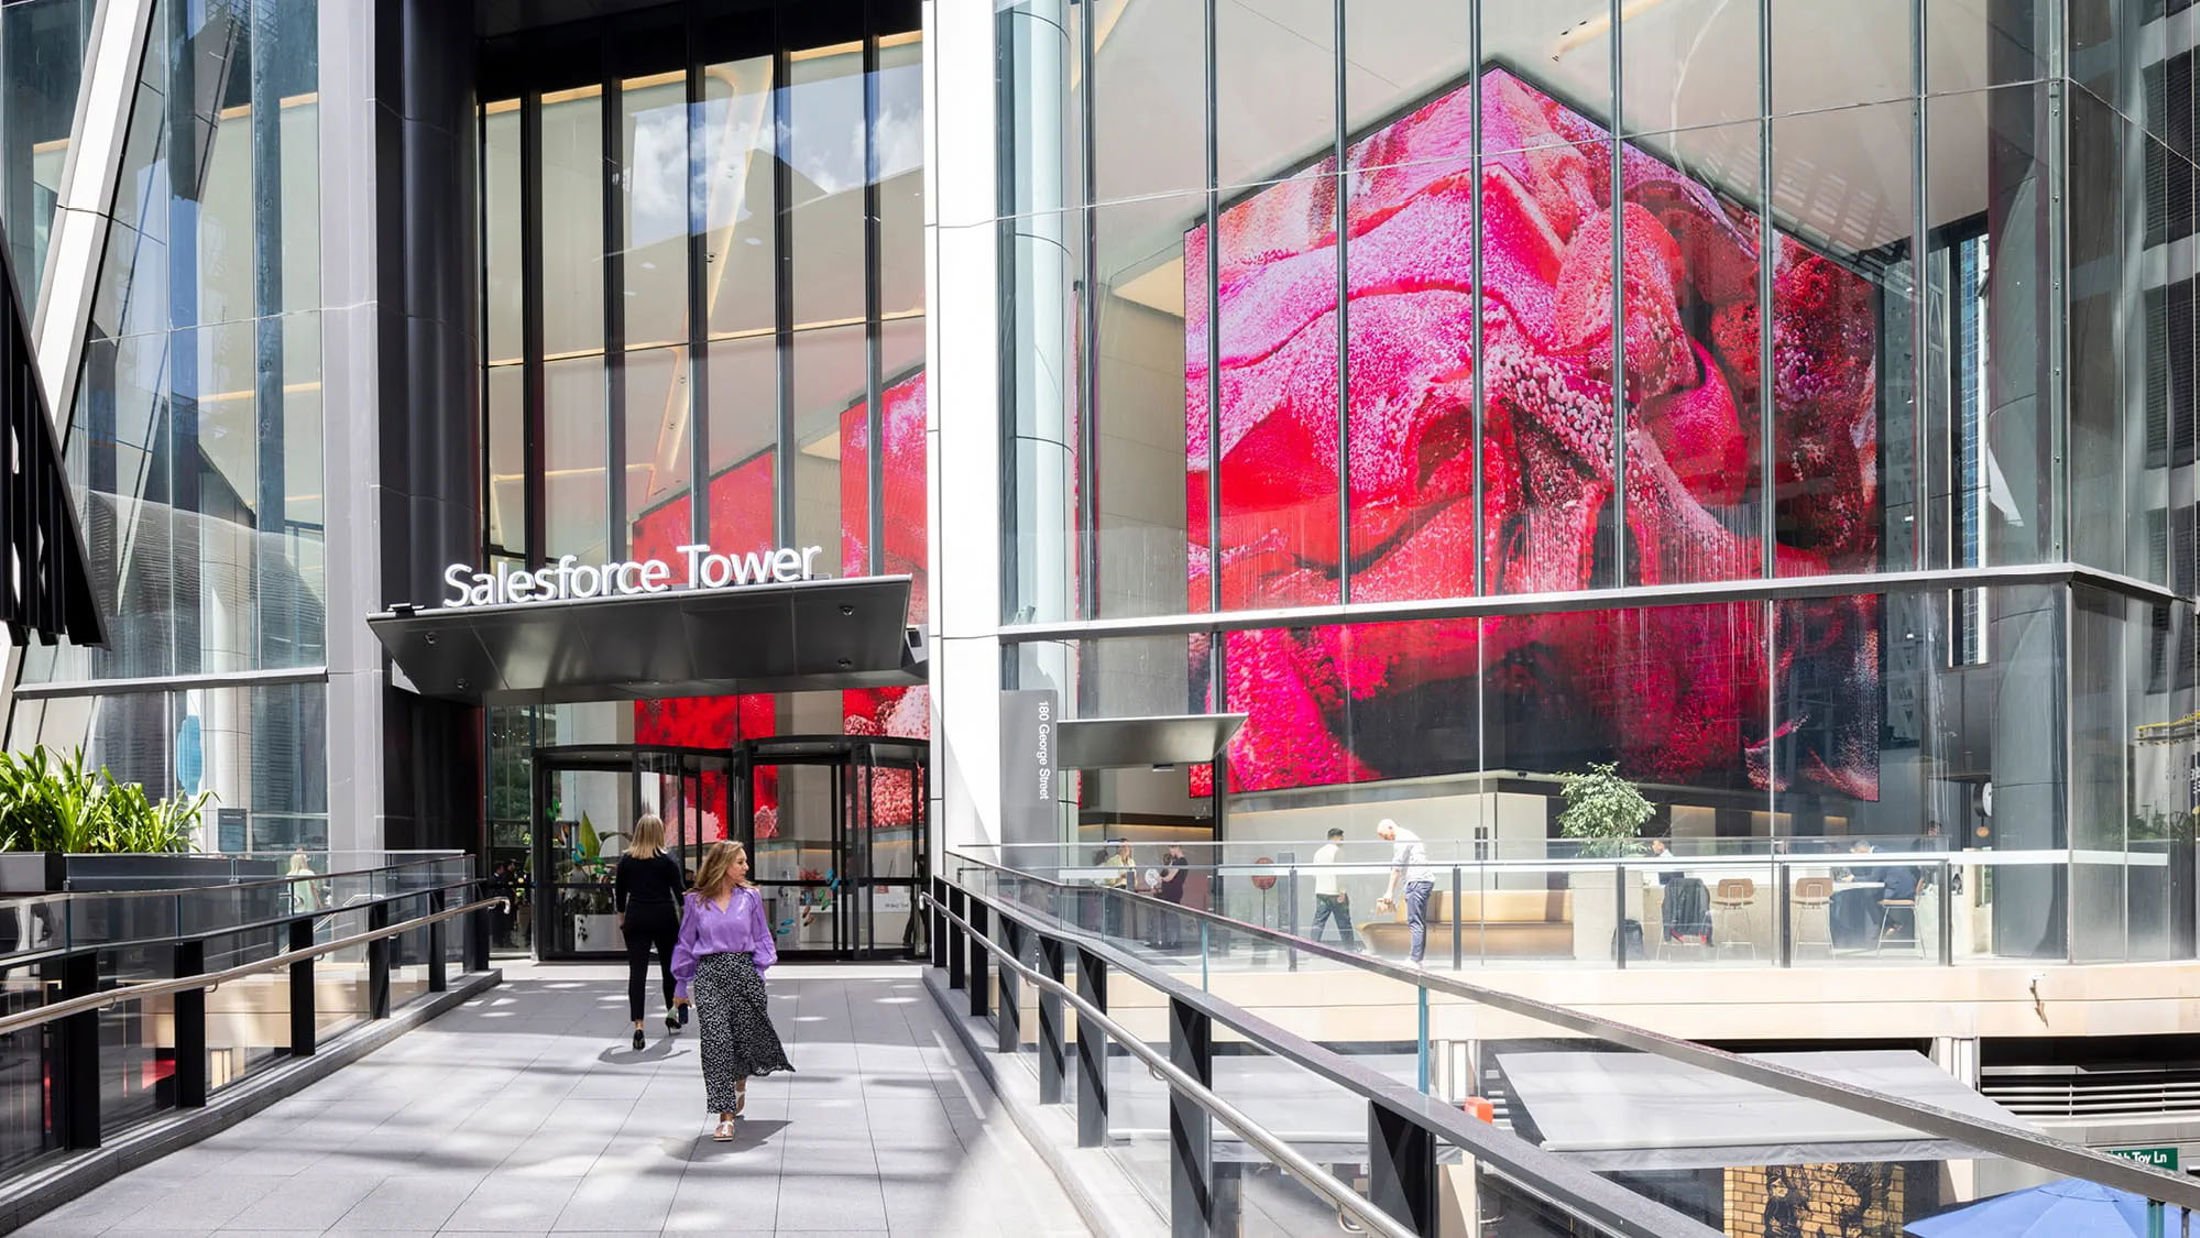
853	762
634	760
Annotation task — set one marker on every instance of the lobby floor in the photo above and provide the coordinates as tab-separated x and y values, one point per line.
525	1111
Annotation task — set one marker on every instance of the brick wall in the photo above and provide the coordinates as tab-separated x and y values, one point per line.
1814	1201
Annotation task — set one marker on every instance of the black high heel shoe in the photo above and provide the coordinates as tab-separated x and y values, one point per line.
639	1043
672	1023
683	1015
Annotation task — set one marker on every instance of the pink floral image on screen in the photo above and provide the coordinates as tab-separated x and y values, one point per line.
888	711
1679	694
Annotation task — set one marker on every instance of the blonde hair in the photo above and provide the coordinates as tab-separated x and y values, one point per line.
716	877
649	837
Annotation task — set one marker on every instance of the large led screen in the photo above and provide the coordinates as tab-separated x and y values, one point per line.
1679	694
904	712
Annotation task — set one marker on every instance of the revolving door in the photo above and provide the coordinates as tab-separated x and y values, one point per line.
836	829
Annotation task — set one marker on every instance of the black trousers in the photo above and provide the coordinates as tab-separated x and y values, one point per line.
648	924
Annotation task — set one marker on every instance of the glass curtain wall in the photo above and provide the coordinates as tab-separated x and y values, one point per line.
1371	301
194	436
705	323
42	44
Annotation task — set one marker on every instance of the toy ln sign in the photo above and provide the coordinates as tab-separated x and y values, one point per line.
567	579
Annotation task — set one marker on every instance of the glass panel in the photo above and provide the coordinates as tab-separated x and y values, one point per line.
572	234
897	144
1874	64
1279	386
654	193
288	47
1398	51
1971	44
1149	84
823	136
1562	49
225	210
831	370
1987	490
2107	438
1150	414
737	128
501	227
585	819
42	46
504	395
1691	344
1843	291
1688	64
575	519
658	432
1275	88
26	1129
744	428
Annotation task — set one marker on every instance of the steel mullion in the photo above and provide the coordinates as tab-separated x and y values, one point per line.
698	299
1212	292
531	324
874	470
611	129
1340	119
1619	303
783	295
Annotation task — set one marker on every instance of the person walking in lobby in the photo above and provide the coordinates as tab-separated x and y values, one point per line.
725	948
1331	903
1409	867
645	891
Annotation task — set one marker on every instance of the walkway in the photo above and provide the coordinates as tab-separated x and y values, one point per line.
524	1111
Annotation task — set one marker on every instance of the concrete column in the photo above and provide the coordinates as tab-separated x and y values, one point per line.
963	431
352	120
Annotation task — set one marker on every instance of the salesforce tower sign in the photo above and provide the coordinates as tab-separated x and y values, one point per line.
569	579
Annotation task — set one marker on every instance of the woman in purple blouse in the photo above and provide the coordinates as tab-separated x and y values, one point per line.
719	962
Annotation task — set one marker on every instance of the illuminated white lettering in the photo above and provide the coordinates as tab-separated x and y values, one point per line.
455	576
695	555
654	574
786	564
809	561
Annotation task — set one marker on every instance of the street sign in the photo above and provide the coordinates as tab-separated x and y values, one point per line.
2154	1158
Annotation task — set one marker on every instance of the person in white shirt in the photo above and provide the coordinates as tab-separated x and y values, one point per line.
1409	867
1330	903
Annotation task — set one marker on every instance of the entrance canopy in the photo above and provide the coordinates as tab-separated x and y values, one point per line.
1122	743
799	636
1634	1111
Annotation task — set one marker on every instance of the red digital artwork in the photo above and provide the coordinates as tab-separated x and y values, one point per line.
888	711
741	501
1677	694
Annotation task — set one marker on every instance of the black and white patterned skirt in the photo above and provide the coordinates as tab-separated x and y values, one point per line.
736	1022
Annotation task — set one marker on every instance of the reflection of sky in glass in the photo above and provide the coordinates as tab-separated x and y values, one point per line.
737	136
656	182
821	115
900	137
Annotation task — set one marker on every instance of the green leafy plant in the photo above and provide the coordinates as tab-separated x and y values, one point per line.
1603	811
49	801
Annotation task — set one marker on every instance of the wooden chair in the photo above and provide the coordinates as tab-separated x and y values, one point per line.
1812	905
1732	900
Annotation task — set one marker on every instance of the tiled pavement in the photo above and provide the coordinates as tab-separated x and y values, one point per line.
524	1111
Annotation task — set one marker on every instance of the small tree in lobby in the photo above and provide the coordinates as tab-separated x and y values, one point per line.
1603	810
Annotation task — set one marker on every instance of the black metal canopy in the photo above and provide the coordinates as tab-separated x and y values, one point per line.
1124	743
797	637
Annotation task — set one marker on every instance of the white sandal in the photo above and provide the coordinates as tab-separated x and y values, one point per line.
724	1133
740	1097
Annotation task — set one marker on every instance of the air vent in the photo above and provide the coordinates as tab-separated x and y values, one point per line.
2102	1092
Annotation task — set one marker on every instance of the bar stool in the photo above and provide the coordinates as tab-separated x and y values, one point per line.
1908	908
1813	906
1731	901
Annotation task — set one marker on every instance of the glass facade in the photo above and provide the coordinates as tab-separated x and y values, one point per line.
1369	304
704	322
194	436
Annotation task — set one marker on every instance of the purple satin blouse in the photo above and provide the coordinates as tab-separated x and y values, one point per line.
739	929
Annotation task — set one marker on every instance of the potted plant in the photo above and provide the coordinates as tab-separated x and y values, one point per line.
52	806
1605	814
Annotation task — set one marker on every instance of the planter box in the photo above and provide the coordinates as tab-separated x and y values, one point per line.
165	872
32	872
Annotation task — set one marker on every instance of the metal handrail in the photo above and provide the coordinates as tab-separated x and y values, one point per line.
1992	1138
212	980
70	896
11	962
1335	1189
1598	1199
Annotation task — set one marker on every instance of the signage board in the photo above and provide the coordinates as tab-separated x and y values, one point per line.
2164	1158
699	567
229	830
1029	812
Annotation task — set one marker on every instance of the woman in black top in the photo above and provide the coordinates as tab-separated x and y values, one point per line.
646	893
